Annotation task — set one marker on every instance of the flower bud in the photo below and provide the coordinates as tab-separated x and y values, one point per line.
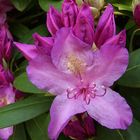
136	11
95	6
136	15
5	43
80	127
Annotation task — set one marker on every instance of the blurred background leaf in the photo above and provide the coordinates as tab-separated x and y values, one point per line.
19	133
21	4
45	4
131	78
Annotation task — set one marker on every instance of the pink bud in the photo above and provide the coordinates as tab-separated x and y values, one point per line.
137	14
80	127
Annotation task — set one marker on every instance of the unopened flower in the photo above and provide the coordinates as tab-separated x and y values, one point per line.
5	43
7	92
79	64
80	127
95	5
136	11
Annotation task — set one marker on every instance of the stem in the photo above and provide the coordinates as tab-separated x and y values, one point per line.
131	40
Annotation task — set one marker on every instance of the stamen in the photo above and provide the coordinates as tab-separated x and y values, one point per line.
71	93
75	65
88	92
87	99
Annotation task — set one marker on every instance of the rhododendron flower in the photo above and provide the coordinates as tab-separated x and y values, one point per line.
7	92
80	127
7	96
79	65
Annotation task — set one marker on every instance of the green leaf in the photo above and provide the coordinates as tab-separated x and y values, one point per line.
24	110
123	7
130	24
21	4
18	30
23	84
27	38
37	127
19	133
132	133
105	134
45	4
133	98
132	76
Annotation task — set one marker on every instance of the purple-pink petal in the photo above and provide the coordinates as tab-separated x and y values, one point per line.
8	94
29	51
5	133
84	27
61	112
117	40
43	44
110	63
69	13
106	27
110	110
5	43
54	21
68	48
47	77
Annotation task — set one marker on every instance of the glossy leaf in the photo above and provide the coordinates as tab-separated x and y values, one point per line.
123	7
37	127
23	84
132	76
133	133
27	38
45	4
24	110
133	98
21	4
19	133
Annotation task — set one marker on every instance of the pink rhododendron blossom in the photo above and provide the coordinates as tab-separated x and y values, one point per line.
80	127
79	64
7	96
7	92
